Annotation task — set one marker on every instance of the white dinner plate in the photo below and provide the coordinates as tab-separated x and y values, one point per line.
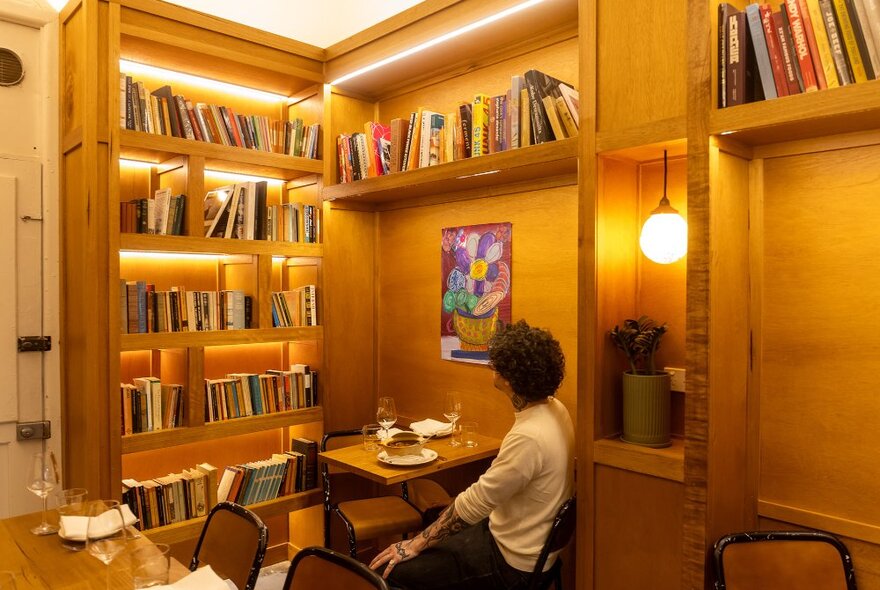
427	456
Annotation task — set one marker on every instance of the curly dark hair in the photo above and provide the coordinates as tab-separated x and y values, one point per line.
530	359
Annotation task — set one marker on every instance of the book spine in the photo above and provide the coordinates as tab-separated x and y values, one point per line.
407	146
848	34
480	122
762	54
835	41
872	14
872	41
801	46
773	51
540	131
826	57
864	41
736	58
723	11
789	43
464	112
810	30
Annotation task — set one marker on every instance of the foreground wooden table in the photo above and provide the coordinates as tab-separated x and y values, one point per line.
42	563
364	463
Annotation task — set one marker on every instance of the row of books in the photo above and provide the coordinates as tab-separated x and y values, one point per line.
162	112
249	394
161	215
537	108
173	498
149	405
806	45
144	310
240	211
298	307
258	481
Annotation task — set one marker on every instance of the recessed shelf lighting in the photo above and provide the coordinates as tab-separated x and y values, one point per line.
132	67
141	254
437	40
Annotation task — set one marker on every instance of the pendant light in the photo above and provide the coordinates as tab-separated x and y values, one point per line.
664	235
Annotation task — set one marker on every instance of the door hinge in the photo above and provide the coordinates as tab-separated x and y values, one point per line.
33	430
34	343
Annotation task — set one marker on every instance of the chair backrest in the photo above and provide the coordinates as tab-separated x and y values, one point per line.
233	542
560	534
317	567
771	560
334	440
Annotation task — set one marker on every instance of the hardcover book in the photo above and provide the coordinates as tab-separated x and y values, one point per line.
480	122
848	34
801	45
776	61
762	54
865	43
826	56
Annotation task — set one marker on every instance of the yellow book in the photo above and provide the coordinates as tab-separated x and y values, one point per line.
849	40
415	141
553	117
565	116
525	119
825	56
480	123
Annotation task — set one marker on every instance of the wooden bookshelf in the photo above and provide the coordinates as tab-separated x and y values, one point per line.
217	338
145	441
183	531
496	173
148	147
199	245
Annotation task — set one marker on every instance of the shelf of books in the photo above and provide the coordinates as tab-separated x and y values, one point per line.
805	69
199	245
218	337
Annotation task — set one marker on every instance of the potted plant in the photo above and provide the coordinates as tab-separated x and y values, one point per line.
646	400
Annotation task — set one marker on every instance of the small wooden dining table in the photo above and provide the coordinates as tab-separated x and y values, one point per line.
356	459
41	562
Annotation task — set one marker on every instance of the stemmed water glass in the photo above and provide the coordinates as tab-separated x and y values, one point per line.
105	535
42	479
452	412
386	415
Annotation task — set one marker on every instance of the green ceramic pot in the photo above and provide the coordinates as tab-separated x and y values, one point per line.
646	406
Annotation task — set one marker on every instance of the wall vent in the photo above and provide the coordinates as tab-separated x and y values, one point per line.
11	68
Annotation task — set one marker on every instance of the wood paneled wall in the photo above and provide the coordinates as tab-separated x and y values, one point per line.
544	292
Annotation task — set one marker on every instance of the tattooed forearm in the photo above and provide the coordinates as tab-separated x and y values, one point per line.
449	523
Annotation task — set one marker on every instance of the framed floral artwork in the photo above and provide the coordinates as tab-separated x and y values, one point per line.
475	283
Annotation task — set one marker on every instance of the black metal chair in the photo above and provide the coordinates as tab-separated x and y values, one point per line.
319	567
780	560
366	518
560	534
233	542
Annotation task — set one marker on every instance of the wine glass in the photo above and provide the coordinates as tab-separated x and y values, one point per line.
452	412
42	479
105	534
386	415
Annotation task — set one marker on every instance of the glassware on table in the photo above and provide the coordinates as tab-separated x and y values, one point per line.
71	503
452	412
105	533
468	434
371	437
386	415
150	565
44	477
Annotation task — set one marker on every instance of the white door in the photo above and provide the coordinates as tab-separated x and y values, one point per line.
28	253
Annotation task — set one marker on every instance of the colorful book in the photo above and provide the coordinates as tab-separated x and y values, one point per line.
775	53
864	43
848	34
480	122
801	45
835	42
826	57
762	54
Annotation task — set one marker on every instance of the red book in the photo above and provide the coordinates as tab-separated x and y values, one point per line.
788	57
776	63
801	45
811	41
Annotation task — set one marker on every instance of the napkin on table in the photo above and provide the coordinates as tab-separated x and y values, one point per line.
203	578
430	427
73	528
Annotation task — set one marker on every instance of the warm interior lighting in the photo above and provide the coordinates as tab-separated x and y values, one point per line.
143	255
664	235
726	133
242	177
437	40
131	67
57	4
135	163
477	174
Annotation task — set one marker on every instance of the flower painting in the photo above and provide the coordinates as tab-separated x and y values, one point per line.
475	288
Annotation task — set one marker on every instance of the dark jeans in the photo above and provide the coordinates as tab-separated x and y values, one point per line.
469	560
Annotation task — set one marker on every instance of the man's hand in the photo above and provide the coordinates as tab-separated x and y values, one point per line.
396	553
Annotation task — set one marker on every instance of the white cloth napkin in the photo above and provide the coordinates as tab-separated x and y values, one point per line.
203	578
73	528
391	432
430	427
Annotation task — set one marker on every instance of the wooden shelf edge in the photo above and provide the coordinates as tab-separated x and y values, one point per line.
482	171
666	463
182	531
199	245
159	148
870	533
160	439
669	134
160	340
833	111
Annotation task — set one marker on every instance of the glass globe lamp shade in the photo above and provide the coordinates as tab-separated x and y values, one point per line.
664	236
